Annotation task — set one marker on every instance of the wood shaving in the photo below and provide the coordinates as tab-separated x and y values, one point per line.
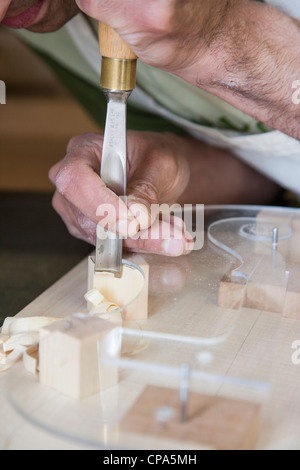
19	338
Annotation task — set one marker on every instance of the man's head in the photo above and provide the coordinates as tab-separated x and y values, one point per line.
40	16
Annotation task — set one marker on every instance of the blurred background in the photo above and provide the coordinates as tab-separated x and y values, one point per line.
36	124
38	120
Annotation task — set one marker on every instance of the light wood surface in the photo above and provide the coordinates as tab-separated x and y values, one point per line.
240	350
213	423
112	45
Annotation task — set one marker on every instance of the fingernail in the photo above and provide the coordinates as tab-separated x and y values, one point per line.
173	247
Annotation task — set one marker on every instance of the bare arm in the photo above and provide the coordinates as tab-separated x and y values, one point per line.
245	52
258	64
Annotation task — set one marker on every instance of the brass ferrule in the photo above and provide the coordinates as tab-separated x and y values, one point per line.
118	74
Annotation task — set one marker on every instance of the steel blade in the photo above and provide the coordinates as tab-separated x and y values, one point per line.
113	173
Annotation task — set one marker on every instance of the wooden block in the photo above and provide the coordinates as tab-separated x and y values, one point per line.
259	295
68	355
215	423
231	294
267	288
267	297
129	292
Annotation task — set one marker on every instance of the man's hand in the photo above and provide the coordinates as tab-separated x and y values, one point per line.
171	35
3	8
243	51
162	169
157	173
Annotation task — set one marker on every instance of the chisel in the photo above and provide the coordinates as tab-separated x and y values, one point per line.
118	79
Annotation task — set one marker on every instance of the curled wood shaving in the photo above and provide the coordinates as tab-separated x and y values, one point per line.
94	296
18	337
14	326
99	303
12	358
104	307
3	338
31	359
23	339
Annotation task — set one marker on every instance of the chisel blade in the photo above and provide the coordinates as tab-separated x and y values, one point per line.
113	174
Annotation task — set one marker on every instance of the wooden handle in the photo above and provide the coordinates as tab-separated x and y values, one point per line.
112	45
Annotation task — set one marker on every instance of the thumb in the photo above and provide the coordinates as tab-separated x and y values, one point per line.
158	173
142	198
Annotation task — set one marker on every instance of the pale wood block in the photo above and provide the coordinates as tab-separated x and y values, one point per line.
215	423
231	294
260	295
129	292
270	298
68	355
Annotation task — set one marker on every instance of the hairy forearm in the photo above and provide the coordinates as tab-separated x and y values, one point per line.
253	63
243	51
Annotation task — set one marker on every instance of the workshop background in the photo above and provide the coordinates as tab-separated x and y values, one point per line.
36	124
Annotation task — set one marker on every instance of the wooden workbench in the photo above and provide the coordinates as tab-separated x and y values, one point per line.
253	346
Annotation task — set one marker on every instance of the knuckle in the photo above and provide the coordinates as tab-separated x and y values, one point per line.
74	231
65	180
83	140
147	191
74	142
162	23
